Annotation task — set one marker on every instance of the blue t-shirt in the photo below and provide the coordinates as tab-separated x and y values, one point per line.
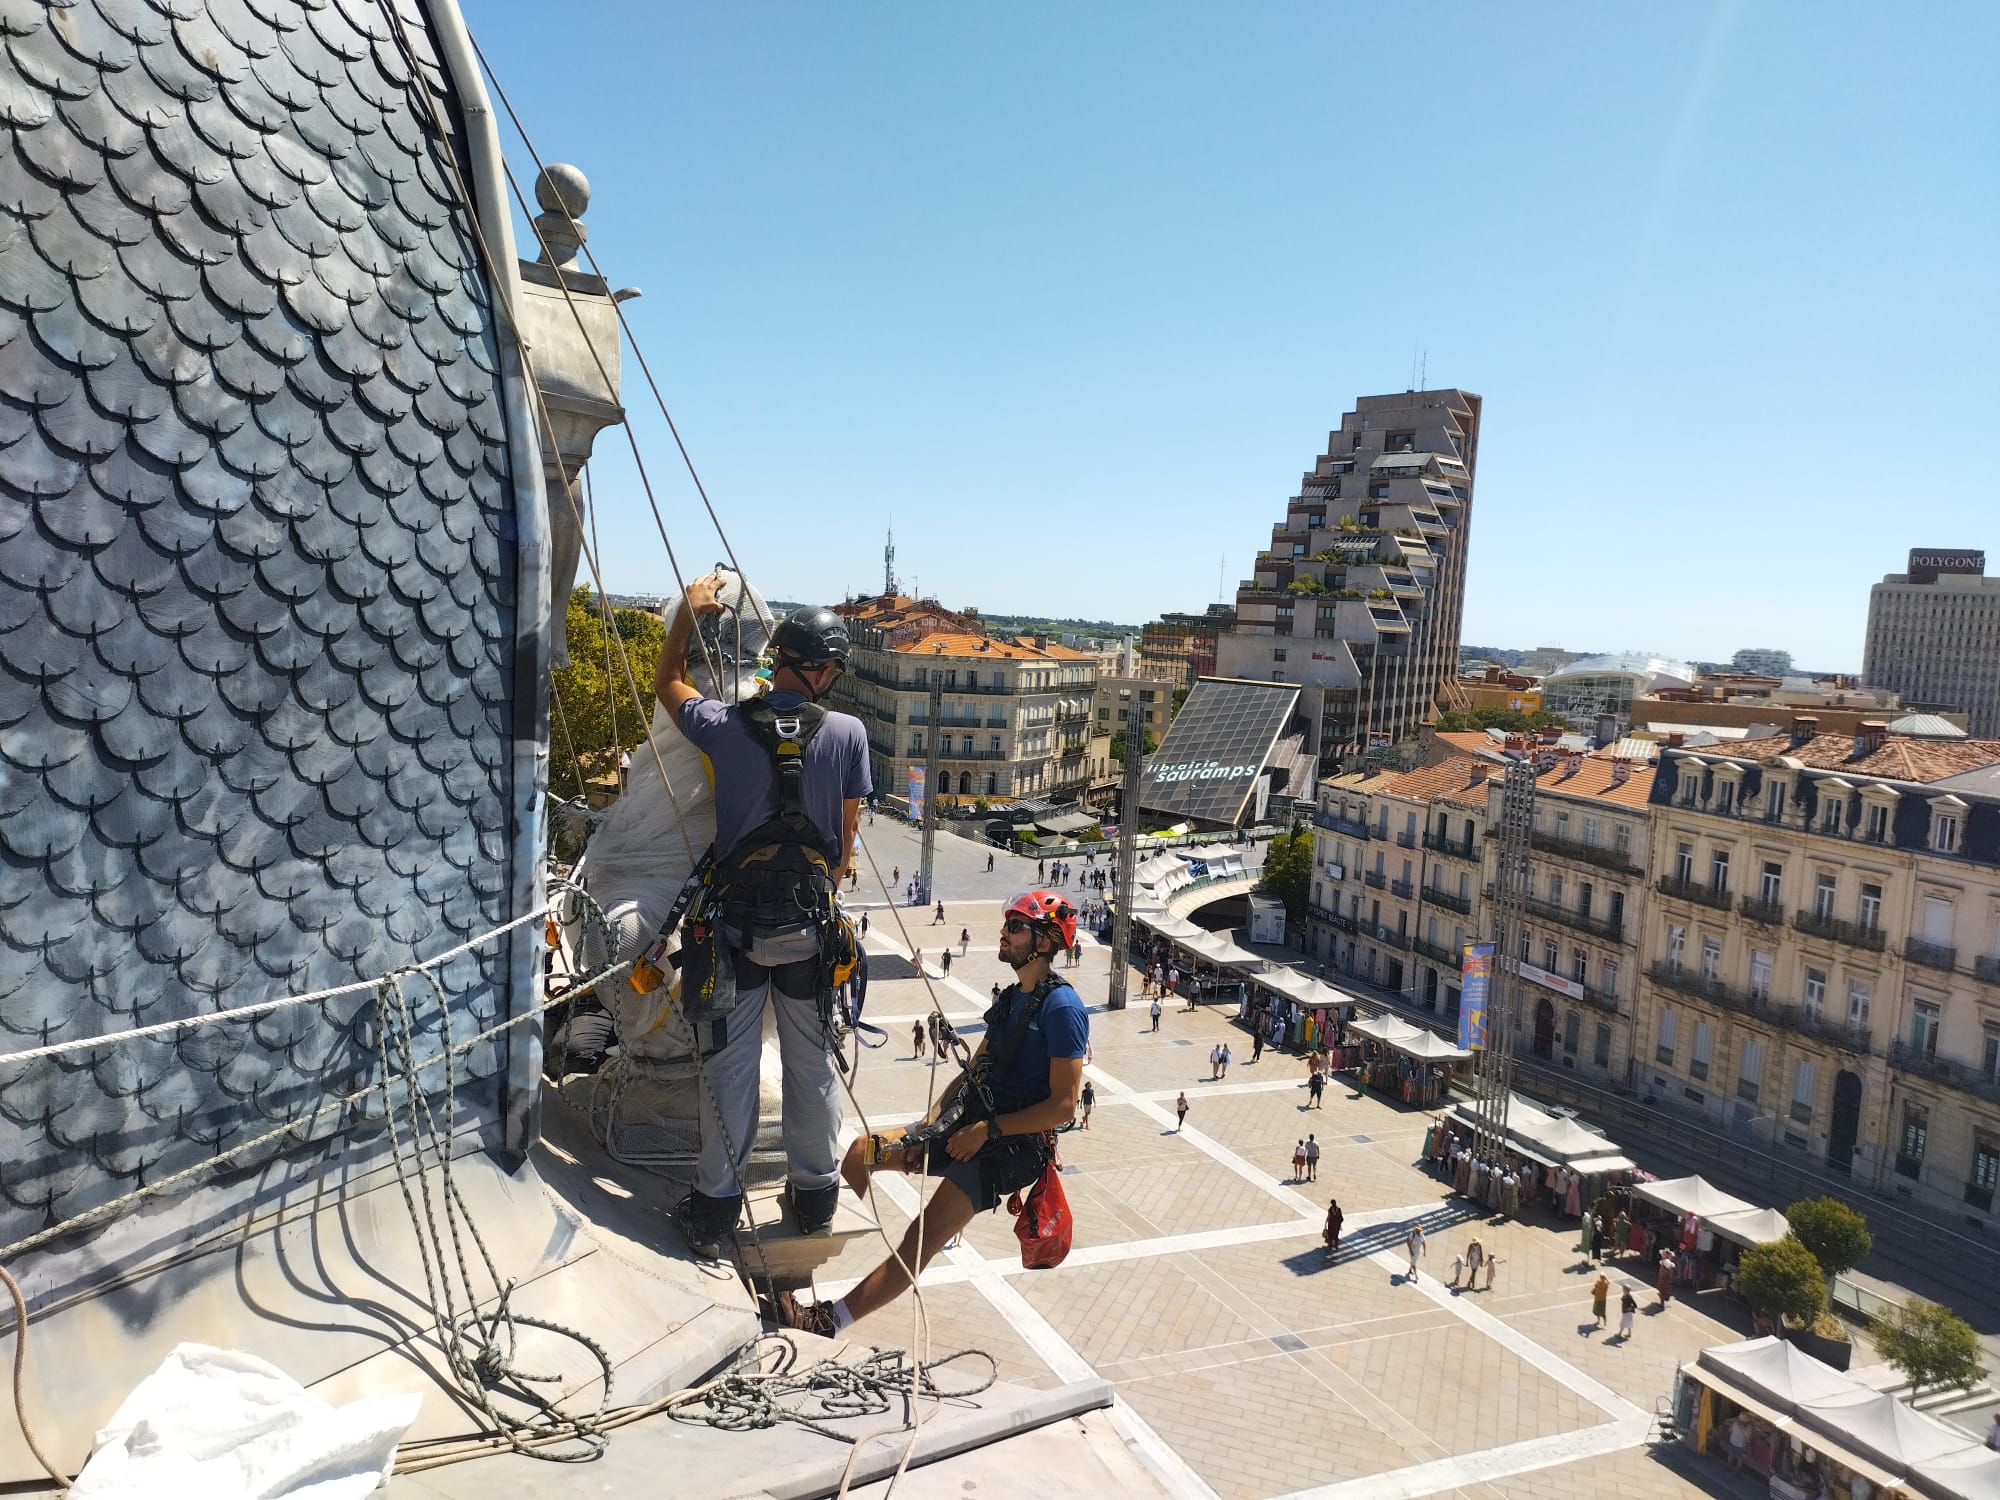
1062	1029
746	782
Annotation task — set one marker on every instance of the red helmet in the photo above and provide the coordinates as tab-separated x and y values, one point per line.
1047	910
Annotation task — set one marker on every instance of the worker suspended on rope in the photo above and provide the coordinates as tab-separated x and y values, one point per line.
992	1130
789	780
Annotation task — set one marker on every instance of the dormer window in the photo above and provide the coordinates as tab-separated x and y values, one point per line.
1947	824
1774	799
1833	798
1725	796
1875	824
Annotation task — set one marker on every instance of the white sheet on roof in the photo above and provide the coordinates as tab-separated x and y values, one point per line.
1754	1226
1691	1195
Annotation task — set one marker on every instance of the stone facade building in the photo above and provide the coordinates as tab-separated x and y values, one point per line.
1016	717
1177	648
1822	947
1359	596
1934	637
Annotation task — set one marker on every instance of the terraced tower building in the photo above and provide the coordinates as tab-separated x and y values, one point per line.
1359	598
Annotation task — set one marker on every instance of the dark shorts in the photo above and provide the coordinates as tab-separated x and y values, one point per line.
1007	1166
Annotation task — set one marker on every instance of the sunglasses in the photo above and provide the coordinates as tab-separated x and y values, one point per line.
1015	924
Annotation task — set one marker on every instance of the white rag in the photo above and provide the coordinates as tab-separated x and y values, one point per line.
213	1424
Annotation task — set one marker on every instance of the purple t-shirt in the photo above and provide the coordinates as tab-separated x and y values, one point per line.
746	782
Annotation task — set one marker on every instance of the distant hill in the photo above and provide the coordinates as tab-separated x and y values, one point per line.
1028	625
1497	654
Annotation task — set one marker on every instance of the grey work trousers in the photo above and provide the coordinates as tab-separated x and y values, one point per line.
812	1109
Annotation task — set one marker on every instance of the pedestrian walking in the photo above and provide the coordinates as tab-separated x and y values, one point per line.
1589	1246
1088	1099
964	940
1316	1090
944	961
1492	1265
624	769
864	924
1299	1162
1415	1246
1665	1284
1628	1309
1475	1262
1214	1061
1600	1293
1075	954
1312	1159
1041	869
1223	1071
916	1039
938	920
989	863
1330	1236
1156	1012
917	958
1180	1111
895	875
1256	1042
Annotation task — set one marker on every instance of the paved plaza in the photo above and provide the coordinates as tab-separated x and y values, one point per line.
1246	1363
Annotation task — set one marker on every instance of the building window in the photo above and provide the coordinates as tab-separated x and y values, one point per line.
1663	1048
1579	968
1944	832
1924	1025
1871	907
1611	979
1589	832
1823	894
1555	888
1572	1032
1551	955
1750	1072
1985	1171
1601	1054
1725	797
1585	898
1832	810
1562	826
1621	838
1815	994
1711	958
1916	1136
1676	946
1760	977
1805	1079
1857	1004
1684	863
1698	1052
1877	829
1770	885
1277	654
1378	489
1718	872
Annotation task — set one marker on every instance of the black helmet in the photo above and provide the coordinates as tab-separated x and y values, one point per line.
810	637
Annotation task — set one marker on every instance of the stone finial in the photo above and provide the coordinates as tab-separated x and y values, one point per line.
564	193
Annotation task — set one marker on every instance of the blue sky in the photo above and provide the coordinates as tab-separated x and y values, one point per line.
1074	294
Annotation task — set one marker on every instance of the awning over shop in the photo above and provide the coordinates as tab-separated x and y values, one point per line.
1565	1140
1412	1041
1599	1166
1220	950
1775	1371
1691	1195
1881	1428
1066	822
1754	1226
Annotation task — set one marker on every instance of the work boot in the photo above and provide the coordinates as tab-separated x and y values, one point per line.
707	1224
806	1317
812	1208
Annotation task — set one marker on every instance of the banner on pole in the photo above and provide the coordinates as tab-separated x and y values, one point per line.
916	794
1475	986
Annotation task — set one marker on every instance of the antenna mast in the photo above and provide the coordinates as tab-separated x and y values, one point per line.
889	565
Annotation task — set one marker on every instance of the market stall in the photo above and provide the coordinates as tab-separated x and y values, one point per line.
1406	1062
1684	1214
1294	1010
1809	1430
1547	1157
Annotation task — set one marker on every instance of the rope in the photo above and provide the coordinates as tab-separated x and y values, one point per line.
262	1007
20	1380
820	1394
480	1349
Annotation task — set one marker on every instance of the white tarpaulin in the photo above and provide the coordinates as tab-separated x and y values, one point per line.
1775	1371
1973	1474
1690	1195
214	1424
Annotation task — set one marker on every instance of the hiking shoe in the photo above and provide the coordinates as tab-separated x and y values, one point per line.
708	1225
805	1317
812	1208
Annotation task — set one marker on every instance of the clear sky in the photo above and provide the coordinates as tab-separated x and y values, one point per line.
1073	294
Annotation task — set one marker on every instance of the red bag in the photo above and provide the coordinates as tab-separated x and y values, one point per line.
1042	1221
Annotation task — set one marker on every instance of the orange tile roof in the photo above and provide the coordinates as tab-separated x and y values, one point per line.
979	647
1592	779
1472	741
1901	757
1455	778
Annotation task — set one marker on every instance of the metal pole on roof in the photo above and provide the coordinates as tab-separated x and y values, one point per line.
927	848
1128	866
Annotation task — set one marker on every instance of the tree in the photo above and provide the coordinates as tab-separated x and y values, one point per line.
593	710
1149	740
1783	1279
1180	697
1931	1345
1512	720
1836	1235
1288	867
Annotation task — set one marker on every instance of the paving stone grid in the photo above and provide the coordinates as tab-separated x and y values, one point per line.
1247	1363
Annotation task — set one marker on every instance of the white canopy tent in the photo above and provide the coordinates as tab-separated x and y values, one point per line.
1973	1474
1691	1195
1754	1226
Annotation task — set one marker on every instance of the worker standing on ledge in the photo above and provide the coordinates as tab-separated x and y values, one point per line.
790	777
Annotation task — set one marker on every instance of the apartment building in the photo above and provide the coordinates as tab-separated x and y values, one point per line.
1934	636
1015	721
1178	648
1822	951
1122	701
1359	596
1579	945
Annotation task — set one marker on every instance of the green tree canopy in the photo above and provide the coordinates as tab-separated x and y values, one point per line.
1151	742
1288	866
1513	720
1783	1279
593	714
1931	1345
1836	1235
